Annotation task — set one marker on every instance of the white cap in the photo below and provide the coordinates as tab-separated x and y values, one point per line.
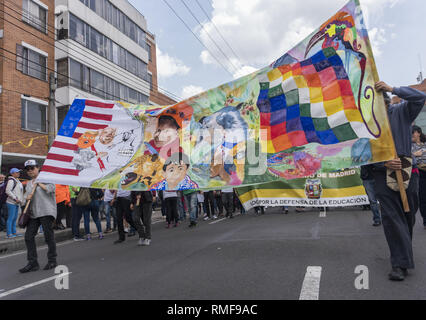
30	163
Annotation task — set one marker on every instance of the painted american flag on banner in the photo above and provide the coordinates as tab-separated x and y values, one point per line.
95	139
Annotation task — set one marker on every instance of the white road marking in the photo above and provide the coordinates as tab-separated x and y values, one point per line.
311	284
60	244
2	295
216	221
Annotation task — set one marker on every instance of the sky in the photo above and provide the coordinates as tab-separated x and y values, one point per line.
245	35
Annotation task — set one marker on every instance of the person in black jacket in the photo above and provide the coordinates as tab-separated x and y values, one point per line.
142	209
367	177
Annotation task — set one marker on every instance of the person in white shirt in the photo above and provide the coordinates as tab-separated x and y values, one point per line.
15	199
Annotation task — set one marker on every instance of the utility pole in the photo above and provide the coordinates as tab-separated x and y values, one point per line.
51	112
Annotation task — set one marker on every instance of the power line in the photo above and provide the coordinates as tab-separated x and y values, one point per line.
218	61
217	29
25	94
172	95
215	43
65	76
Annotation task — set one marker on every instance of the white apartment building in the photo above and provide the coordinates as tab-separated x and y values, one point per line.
101	53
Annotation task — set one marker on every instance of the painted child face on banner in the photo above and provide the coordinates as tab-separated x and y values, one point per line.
175	173
167	131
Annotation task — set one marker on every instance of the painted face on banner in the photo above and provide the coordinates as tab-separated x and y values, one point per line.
165	134
175	173
107	135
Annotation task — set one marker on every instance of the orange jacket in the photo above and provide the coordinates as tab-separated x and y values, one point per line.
62	194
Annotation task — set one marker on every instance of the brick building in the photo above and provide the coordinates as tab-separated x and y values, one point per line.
156	97
28	39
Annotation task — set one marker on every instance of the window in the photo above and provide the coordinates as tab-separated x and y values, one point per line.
33	116
124	92
35	15
95	41
75	74
62	113
97	85
133	96
77	30
150	81
115	53
131	63
62	69
86	79
31	63
149	52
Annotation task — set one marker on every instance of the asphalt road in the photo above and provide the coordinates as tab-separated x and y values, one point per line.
249	257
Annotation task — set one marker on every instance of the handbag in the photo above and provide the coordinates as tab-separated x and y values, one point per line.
83	198
24	218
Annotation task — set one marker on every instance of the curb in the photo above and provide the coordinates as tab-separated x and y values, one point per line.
8	246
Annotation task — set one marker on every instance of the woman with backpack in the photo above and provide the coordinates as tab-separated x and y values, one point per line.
15	198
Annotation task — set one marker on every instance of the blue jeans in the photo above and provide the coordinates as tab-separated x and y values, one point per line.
92	209
109	211
12	209
369	186
181	209
192	205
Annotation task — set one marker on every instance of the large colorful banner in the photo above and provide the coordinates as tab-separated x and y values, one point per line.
313	109
324	189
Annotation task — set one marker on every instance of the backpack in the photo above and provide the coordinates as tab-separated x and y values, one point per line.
83	198
3	194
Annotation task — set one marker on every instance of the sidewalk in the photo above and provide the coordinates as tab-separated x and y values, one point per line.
8	246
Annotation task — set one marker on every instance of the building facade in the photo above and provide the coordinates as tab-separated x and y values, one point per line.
27	37
100	49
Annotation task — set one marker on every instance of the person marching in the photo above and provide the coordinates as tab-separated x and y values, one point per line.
43	212
142	210
397	224
419	152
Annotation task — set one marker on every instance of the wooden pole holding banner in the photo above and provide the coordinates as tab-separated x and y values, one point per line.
402	191
29	200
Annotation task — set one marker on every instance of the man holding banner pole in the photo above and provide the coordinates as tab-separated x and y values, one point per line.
397	222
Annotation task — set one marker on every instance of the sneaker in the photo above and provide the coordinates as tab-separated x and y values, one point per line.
285	211
206	218
88	237
29	267
10	236
214	217
396	274
376	223
109	230
126	230
141	242
78	239
101	236
18	234
147	242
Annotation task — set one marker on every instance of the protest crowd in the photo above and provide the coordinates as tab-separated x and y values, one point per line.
58	207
